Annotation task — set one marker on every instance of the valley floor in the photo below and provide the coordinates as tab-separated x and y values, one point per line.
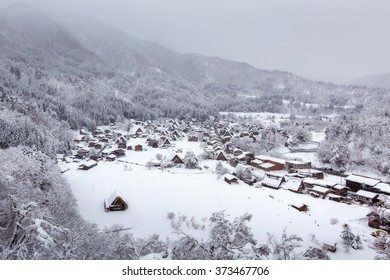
152	193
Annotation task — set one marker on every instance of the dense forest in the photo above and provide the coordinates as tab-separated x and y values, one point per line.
358	139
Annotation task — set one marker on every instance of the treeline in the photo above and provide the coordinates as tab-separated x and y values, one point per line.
359	138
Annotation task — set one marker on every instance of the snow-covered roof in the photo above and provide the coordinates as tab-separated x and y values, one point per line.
259	174
332	195
230	177
241	156
297	162
293	184
155	162
279	174
309	171
383	187
320	189
362	180
319	182
64	168
267	165
339	187
111	198
89	163
265	158
257	161
273	182
366	194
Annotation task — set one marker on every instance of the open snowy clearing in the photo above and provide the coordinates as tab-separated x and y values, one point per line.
152	193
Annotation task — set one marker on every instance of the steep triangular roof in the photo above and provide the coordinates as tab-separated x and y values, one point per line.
111	199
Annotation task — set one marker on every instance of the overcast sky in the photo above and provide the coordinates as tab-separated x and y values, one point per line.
331	40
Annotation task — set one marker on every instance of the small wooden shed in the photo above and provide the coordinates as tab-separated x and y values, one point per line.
138	148
118	153
300	207
231	179
115	203
87	165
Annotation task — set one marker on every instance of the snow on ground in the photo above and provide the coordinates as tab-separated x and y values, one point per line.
318	136
305	156
152	193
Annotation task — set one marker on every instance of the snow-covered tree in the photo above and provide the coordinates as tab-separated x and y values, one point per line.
151	245
243	173
190	160
227	240
300	135
382	246
220	169
349	239
313	253
285	248
159	156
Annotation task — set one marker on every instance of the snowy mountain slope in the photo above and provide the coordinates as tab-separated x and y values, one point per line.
201	72
26	31
373	81
89	73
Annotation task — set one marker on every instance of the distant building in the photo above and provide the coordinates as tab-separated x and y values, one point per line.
87	165
294	185
177	160
294	165
138	148
118	152
277	163
318	191
221	156
273	182
367	197
359	182
230	179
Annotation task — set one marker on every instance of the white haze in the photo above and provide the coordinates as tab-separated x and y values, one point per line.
329	40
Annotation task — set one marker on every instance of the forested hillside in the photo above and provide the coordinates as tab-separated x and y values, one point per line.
62	74
85	73
359	138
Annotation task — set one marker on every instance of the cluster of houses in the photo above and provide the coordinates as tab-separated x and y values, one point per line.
296	176
105	144
110	144
300	179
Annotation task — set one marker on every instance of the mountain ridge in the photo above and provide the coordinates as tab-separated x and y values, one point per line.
373	81
88	73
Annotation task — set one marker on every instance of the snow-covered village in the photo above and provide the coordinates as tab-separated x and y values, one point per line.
170	174
194	130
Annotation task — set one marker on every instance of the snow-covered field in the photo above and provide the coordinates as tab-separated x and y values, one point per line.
152	193
305	156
